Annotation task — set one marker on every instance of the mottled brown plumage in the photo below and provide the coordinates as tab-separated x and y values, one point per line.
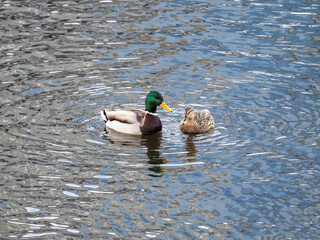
196	121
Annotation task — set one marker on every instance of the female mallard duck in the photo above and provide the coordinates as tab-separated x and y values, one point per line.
196	121
137	122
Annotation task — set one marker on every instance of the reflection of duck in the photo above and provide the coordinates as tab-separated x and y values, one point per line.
121	139
191	149
137	122
196	121
151	142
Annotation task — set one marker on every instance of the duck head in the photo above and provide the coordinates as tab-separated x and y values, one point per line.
153	100
188	115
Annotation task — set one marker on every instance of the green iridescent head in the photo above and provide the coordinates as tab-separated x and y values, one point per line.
153	100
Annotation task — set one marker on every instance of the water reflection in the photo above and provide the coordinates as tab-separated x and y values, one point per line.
152	143
190	148
122	139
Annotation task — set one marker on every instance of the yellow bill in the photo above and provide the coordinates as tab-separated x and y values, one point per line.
165	107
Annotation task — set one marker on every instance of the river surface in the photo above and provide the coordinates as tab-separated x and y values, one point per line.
254	64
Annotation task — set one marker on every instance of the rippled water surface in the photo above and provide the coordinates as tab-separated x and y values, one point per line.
253	64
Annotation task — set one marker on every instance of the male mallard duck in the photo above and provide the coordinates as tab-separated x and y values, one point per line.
196	121
137	122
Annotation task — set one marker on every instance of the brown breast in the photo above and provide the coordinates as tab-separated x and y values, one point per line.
151	124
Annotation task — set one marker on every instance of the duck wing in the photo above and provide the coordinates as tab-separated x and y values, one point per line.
204	118
123	116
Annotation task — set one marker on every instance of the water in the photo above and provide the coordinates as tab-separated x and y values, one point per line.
253	64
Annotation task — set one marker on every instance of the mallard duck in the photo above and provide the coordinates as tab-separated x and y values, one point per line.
137	122
196	121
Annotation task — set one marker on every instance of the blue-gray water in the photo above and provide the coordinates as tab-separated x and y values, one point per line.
254	64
